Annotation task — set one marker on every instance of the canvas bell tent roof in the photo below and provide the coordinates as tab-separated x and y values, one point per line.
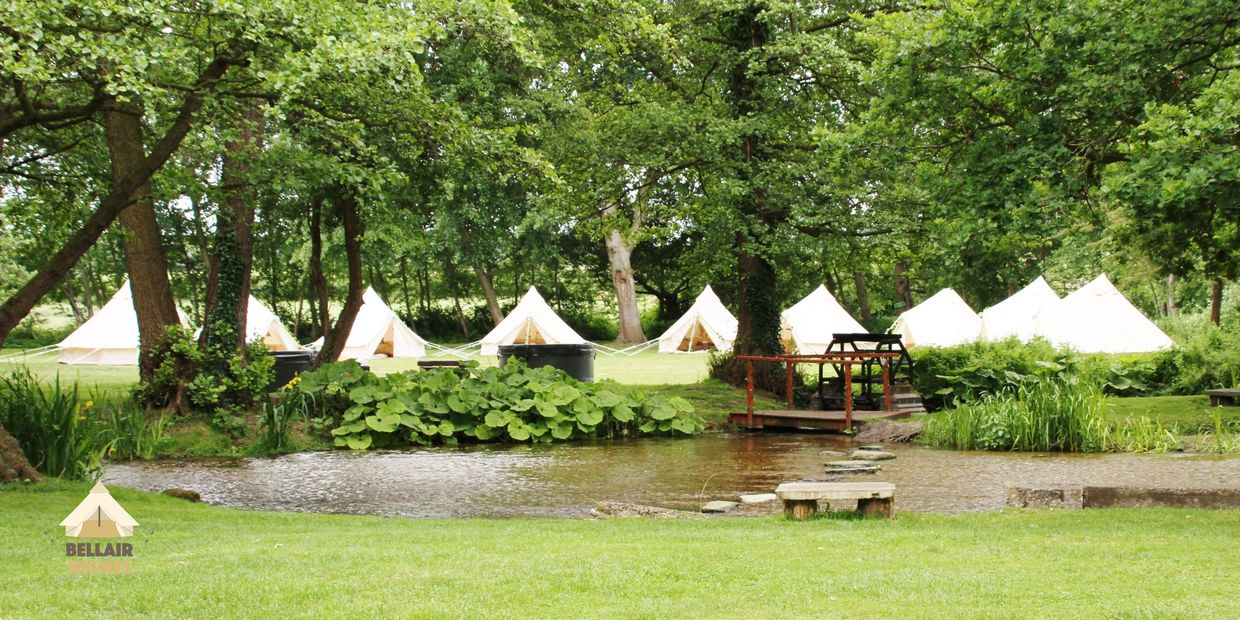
261	322
99	516
706	325
944	320
108	337
1097	318
809	325
378	332
1015	315
531	322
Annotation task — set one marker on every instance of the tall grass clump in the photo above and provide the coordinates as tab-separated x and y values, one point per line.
1057	413
51	425
129	431
279	417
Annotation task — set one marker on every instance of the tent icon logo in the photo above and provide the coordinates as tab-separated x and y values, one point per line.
99	516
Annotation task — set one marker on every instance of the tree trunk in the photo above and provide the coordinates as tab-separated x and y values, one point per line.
120	196
618	255
334	339
317	281
863	298
1216	302
404	288
450	273
231	264
757	317
903	293
78	316
14	465
488	291
1172	309
144	248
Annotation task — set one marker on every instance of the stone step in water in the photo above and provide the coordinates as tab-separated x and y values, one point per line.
852	467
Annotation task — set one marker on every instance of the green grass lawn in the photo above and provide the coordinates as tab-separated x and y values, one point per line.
1189	414
200	561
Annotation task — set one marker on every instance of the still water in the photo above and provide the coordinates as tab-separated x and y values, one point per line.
568	479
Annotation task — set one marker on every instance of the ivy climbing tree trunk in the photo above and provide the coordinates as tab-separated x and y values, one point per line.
335	337
757	318
230	267
144	249
903	290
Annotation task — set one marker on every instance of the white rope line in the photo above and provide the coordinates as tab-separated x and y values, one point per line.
29	353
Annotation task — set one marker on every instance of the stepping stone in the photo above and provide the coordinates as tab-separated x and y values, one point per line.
719	507
872	455
873	446
852	467
758	498
833	454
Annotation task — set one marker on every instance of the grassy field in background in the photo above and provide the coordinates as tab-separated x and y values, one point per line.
209	562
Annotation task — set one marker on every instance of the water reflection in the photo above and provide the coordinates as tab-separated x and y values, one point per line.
568	479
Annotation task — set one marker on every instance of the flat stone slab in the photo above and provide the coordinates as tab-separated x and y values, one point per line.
802	491
871	447
624	509
1072	497
1142	497
851	467
872	455
719	507
1049	496
758	498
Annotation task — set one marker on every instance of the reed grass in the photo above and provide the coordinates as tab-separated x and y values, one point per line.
1060	413
49	422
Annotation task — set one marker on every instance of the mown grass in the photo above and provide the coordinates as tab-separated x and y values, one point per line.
200	561
1188	414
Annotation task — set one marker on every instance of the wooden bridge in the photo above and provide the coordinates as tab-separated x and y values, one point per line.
895	402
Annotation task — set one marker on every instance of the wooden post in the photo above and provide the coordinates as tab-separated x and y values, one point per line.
884	507
788	388
848	396
749	389
887	404
800	509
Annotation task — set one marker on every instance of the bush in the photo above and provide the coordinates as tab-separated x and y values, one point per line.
952	375
513	403
222	381
1205	357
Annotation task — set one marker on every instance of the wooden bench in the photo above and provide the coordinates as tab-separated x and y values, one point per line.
1224	396
801	498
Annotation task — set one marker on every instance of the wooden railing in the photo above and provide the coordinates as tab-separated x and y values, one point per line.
844	360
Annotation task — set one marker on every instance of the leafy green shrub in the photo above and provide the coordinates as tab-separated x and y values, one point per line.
1205	357
951	375
221	381
50	424
513	403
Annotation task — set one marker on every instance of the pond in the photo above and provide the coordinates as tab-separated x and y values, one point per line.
569	479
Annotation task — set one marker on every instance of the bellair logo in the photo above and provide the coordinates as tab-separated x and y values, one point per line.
99	516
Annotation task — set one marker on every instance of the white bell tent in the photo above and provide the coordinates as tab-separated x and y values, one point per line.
809	325
108	337
1097	318
262	323
531	322
378	332
1015	315
706	325
943	320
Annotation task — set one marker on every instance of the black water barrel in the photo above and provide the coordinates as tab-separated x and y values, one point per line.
288	365
575	359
